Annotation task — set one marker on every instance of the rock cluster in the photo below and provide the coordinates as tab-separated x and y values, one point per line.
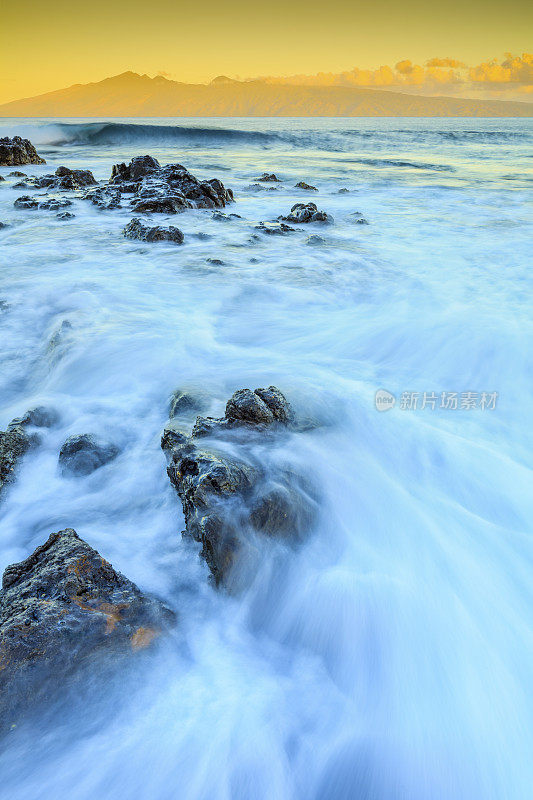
306	212
136	230
64	178
227	500
17	151
167	189
62	612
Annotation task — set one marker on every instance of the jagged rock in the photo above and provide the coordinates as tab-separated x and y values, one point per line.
268	177
306	212
17	151
228	500
306	186
64	613
65	215
14	444
274	228
25	201
104	197
84	453
74	178
184	402
167	189
136	230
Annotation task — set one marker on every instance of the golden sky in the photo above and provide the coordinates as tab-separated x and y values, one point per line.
61	43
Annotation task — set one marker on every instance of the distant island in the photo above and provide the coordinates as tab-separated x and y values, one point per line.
133	95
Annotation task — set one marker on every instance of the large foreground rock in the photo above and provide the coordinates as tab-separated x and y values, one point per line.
167	189
64	612
230	497
17	151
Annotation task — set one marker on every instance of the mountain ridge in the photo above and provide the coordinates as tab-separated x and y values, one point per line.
132	95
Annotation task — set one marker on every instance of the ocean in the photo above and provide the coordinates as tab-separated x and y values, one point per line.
389	655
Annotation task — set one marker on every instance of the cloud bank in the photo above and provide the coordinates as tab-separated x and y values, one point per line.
510	77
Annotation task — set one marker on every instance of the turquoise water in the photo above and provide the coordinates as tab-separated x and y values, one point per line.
391	655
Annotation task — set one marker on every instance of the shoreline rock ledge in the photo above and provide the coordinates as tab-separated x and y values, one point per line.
65	612
232	490
18	151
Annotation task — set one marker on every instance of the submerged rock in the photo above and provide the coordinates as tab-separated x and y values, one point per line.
274	228
54	204
136	230
314	240
306	186
18	151
306	212
65	215
228	500
64	611
184	402
84	453
358	218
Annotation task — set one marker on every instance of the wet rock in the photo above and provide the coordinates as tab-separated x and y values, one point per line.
73	178
306	186
65	216
16	174
315	241
64	614
268	177
25	201
14	444
358	218
54	204
228	499
39	417
172	204
184	402
136	230
306	212
217	262
167	189
343	191
274	228
4	225
220	217
83	454
104	197
2	178
138	168
17	151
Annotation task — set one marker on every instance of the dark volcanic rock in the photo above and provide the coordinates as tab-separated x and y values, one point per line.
274	228
25	201
84	453
227	500
65	215
306	186
306	212
167	189
64	611
268	177
138	168
104	197
54	204
73	178
14	443
136	230
18	151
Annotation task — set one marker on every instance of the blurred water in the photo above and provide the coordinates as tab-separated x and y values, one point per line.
391	656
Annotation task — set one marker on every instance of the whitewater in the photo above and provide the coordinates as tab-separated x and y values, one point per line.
390	655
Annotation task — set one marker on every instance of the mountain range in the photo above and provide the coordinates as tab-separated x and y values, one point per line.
133	95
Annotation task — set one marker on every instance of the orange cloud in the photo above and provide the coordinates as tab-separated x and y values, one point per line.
445	62
514	70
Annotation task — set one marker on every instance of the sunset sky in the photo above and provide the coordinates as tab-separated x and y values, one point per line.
61	43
